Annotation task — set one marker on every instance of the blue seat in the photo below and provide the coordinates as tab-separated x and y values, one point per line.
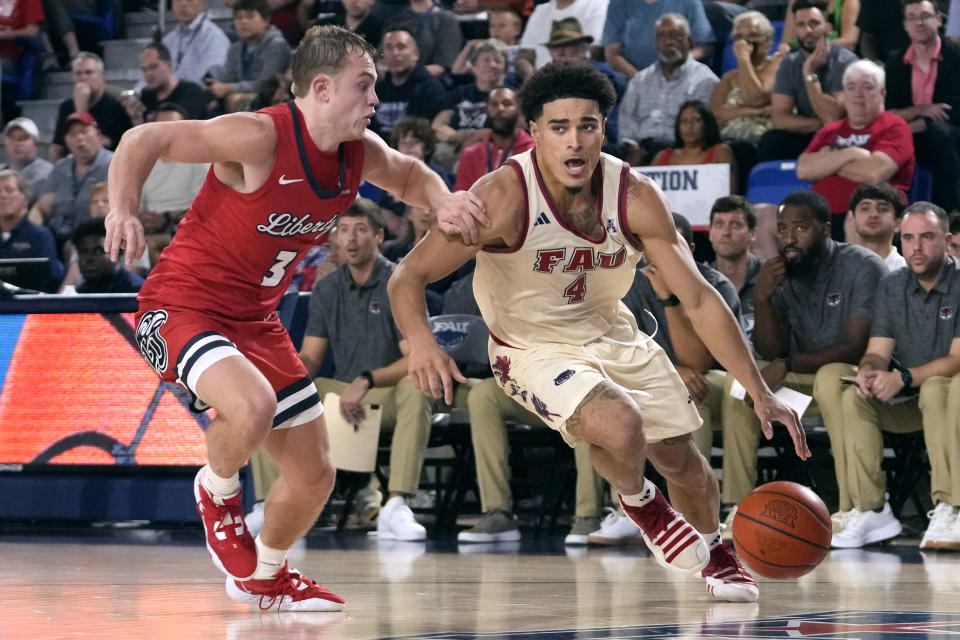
92	28
730	61
22	84
922	186
772	181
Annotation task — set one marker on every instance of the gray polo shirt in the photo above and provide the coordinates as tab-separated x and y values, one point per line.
818	305
923	323
790	82
746	293
641	298
357	321
71	201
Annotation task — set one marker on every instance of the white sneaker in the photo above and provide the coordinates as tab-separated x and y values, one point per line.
943	532
396	522
839	519
861	528
615	529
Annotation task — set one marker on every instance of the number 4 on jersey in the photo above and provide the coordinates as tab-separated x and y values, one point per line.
279	269
576	291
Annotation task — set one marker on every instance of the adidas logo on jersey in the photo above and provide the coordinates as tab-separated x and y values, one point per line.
542	219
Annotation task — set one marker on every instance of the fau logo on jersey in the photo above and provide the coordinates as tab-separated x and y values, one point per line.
286	224
581	259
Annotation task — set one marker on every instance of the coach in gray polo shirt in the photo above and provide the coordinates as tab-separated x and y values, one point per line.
350	314
813	306
915	328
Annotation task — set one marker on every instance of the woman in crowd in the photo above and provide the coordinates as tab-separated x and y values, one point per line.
697	140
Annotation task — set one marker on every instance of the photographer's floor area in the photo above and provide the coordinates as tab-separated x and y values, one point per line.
151	584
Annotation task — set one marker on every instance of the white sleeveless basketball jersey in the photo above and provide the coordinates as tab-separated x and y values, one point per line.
555	284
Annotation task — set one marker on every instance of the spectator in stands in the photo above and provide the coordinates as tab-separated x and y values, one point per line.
350	317
881	28
649	109
591	14
660	315
161	84
923	88
696	140
505	139
913	353
463	118
100	273
733	227
260	52
741	102
168	191
63	33
436	31
64	200
355	15
20	238
842	17
505	26
626	33
953	240
89	96
18	19
812	306
196	44
869	145
21	137
806	91
407	88
874	218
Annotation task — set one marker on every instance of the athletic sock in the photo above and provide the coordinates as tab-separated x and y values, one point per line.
644	497
219	486
713	539
269	561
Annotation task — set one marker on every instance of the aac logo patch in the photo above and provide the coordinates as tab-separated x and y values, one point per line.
563	377
946	313
833	299
152	346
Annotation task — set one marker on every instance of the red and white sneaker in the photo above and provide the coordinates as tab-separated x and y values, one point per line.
726	577
674	542
288	590
229	542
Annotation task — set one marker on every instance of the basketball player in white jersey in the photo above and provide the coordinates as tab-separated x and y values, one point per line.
568	226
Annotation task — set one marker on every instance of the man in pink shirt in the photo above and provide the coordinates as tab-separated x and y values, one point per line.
923	88
869	145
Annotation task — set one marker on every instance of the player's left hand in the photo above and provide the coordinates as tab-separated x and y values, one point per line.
124	232
458	214
769	409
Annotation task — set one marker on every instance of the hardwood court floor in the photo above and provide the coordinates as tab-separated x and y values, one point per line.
148	586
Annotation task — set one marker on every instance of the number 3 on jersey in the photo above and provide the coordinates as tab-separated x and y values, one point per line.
279	269
576	291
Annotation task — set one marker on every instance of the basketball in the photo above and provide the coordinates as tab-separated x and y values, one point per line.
782	530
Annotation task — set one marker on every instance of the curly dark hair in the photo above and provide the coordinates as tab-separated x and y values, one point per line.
880	191
421	130
566	79
711	131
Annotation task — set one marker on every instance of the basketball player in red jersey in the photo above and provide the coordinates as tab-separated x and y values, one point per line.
568	227
278	181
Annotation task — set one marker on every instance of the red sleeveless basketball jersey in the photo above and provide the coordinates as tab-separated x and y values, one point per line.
235	253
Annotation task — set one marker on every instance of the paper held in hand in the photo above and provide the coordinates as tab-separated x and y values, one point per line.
793	399
353	447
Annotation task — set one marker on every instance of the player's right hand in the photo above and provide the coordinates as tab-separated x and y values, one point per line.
124	232
769	409
433	371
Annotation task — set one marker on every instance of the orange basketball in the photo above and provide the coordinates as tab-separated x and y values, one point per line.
782	530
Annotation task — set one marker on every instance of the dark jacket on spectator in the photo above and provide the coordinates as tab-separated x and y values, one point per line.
945	89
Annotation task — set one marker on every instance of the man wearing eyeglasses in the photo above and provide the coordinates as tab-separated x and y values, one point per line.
923	88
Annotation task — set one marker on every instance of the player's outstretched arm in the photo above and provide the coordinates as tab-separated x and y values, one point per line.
431	370
649	218
415	183
243	142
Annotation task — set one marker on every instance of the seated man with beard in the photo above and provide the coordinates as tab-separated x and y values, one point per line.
504	140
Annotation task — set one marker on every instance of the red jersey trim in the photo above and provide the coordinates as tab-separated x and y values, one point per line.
500	342
526	214
566	224
622	209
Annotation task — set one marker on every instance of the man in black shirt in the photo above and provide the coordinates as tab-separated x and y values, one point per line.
163	85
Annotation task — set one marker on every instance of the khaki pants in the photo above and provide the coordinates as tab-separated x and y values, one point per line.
402	406
741	429
864	421
489	408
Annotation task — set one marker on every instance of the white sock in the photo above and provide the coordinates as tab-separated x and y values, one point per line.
713	539
269	561
218	486
644	497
